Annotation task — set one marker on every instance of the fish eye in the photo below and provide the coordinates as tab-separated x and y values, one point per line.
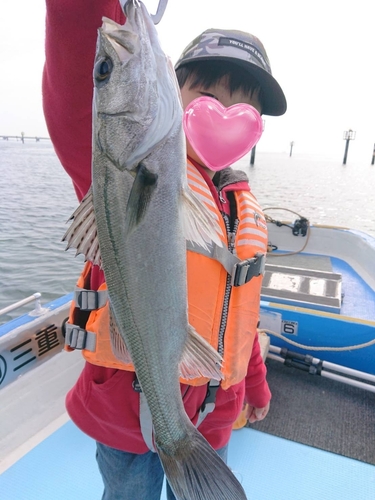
103	69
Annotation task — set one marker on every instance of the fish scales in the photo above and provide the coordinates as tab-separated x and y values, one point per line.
139	185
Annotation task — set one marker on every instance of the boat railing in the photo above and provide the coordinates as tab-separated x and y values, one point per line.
37	311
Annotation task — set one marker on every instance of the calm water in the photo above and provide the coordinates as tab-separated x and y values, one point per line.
37	198
317	187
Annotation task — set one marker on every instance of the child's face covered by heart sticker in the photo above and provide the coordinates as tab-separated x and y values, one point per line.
220	136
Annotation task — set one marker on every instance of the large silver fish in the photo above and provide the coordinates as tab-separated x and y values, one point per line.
134	222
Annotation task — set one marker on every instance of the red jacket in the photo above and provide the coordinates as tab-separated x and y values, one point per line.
103	402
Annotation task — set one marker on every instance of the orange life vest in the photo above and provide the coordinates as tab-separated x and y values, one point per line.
223	292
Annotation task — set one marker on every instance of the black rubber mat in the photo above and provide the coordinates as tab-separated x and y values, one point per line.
319	412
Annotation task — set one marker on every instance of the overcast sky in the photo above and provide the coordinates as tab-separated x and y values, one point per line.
321	52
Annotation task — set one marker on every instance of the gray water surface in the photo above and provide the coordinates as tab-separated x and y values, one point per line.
37	198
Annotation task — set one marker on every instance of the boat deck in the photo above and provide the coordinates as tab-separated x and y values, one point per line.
63	467
58	462
294	315
358	300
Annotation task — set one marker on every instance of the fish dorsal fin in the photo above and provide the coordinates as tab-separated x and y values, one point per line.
199	224
119	348
82	233
199	358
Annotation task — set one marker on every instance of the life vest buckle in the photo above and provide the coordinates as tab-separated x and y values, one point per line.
75	336
90	300
247	269
79	338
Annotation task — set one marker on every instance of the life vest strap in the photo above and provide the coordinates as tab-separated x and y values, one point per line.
208	404
241	271
145	418
79	338
89	300
247	269
145	421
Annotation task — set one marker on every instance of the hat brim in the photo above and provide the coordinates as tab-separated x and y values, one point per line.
273	102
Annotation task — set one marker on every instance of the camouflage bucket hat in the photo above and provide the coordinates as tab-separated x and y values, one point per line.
245	50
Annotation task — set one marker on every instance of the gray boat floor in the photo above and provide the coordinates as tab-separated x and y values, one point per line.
63	467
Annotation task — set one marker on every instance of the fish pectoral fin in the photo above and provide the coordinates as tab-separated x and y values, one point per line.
143	186
199	224
82	233
119	348
195	471
199	358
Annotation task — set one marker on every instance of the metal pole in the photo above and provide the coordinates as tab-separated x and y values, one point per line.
332	366
333	376
346	151
252	157
291	148
349	381
35	296
373	156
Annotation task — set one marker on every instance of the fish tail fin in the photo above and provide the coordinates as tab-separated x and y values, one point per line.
199	223
197	472
199	358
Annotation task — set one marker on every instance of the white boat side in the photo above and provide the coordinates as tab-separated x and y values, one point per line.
352	246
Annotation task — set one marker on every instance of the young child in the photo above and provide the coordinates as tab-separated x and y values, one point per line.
229	66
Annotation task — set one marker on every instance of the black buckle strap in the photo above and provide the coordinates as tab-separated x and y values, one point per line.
136	385
247	269
210	398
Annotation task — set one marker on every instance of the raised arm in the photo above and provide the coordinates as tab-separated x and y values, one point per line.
71	32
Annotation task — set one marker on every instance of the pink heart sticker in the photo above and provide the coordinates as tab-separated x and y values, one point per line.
220	136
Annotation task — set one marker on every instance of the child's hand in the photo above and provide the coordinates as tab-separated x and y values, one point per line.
256	414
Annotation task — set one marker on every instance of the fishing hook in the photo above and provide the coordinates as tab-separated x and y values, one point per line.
156	18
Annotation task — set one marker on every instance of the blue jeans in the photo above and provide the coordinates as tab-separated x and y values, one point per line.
128	476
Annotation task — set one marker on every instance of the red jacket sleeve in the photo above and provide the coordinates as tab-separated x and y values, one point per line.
257	392
71	33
